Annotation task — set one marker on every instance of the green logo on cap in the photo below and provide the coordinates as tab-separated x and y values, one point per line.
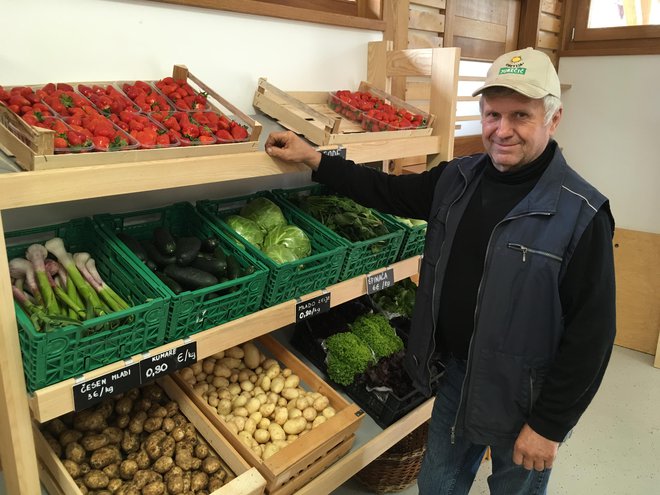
512	70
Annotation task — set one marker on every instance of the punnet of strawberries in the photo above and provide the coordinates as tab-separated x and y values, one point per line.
26	102
374	113
148	132
108	99
147	97
184	97
194	128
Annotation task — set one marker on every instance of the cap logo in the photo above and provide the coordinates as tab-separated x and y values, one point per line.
514	66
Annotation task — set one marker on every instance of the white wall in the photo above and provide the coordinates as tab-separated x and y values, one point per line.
610	132
109	40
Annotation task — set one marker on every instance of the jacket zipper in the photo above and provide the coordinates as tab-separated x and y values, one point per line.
531	392
435	275
476	315
524	250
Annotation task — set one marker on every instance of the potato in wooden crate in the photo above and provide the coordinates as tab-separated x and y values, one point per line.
275	411
151	440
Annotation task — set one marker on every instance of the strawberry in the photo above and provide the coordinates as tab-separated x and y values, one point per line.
239	133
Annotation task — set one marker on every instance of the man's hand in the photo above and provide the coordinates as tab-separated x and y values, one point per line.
534	451
289	147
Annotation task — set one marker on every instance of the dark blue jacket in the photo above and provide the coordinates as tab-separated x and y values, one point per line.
518	316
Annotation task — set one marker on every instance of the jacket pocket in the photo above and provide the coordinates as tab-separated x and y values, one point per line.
499	397
526	252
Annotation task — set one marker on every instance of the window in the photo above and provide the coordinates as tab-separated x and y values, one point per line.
611	27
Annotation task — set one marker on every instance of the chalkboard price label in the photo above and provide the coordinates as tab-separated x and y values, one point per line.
380	281
167	362
90	392
339	151
312	307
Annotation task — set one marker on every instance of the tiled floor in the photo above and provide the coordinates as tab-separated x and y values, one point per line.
615	449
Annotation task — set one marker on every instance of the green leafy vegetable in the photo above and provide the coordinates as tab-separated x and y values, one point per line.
247	229
290	236
344	216
376	331
264	212
347	356
398	299
279	253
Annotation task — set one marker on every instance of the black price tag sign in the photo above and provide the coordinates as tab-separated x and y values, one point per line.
312	307
380	281
339	151
90	392
166	362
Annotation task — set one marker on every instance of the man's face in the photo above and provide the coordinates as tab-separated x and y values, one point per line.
512	131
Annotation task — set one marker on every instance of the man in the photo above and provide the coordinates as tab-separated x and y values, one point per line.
516	290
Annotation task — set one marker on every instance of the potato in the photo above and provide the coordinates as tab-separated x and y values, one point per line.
276	432
127	469
295	413
201	451
234	389
220	382
83	489
309	413
273	371
211	464
281	415
250	426
328	412
154	488
113	434
183	458
196	367
154	423
303	402
175	485
321	403
221	370
268	363
112	470
241	411
224	407
270	450
89	421
264	423
163	464
251	355
207	365
199	481
68	436
136	425
56	427
291	381
186	374
96	479
267	409
104	456
247	385
178	433
54	444
234	352
73	468
230	362
290	393
261	435
130	442
113	486
276	384
142	459
239	421
294	426
75	452
319	420
246	438
122	421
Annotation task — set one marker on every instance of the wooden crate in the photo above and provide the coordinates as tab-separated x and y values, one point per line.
299	462
246	480
308	113
34	150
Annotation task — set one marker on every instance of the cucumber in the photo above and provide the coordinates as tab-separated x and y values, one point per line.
186	250
213	266
134	245
249	270
189	277
151	265
155	255
172	284
210	244
233	267
164	241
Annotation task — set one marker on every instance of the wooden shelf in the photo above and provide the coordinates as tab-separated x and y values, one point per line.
56	400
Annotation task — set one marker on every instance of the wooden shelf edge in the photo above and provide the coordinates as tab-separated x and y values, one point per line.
354	461
57	399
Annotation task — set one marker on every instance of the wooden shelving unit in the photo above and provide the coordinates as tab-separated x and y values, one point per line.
20	465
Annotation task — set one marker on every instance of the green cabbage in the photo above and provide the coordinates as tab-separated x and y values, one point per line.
280	253
247	229
265	213
292	237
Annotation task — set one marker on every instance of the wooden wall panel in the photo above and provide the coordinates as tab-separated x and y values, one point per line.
426	21
484	30
637	264
552	7
423	39
473	49
437	4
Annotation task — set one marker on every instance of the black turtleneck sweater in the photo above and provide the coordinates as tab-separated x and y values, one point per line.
586	292
496	194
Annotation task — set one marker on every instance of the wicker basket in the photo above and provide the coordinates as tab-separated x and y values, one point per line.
397	468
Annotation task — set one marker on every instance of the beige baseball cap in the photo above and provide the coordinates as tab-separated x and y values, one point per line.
529	72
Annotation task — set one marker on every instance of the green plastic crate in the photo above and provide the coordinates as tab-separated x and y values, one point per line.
287	280
71	351
413	239
196	310
362	256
